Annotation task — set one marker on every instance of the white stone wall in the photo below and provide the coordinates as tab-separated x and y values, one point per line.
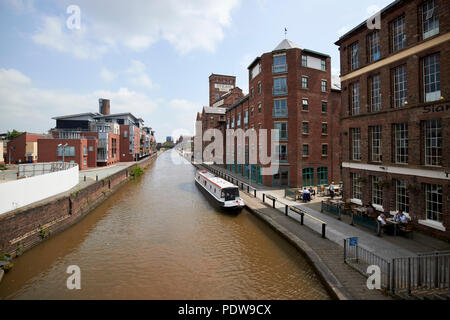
19	193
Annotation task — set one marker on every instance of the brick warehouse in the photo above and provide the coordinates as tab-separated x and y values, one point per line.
395	112
290	89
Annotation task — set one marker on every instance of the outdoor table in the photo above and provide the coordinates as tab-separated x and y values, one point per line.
395	223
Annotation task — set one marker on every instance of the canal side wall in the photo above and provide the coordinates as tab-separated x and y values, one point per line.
26	227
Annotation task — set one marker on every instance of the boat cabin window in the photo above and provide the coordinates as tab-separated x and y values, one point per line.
230	194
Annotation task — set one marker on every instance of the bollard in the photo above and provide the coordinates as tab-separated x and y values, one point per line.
248	189
302	215
264	197
84	177
323	230
286	209
96	177
273	203
254	191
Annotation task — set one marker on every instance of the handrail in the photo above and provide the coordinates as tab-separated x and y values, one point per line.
274	199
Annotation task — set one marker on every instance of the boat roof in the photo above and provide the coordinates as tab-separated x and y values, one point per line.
221	183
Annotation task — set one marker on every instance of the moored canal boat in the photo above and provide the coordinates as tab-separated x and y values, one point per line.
223	193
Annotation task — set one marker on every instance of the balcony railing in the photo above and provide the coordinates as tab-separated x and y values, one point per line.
279	91
280	68
280	113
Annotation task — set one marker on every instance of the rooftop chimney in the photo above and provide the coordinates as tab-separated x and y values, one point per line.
104	107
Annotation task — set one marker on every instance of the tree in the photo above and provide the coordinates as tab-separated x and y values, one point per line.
12	134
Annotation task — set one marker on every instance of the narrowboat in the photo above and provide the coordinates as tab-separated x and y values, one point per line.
223	193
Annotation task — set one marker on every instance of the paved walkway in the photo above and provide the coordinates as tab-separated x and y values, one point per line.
326	255
337	230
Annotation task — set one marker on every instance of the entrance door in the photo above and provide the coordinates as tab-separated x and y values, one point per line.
281	179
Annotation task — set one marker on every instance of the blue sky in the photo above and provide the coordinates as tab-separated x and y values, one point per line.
150	58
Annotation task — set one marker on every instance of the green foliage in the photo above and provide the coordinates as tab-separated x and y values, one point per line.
44	233
2	167
19	249
12	134
5	256
104	192
136	172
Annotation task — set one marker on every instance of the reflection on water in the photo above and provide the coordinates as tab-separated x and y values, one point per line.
159	238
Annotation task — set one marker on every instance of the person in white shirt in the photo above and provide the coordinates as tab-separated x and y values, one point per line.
382	219
331	189
403	218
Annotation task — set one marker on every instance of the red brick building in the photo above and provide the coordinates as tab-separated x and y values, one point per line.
395	112
219	85
82	151
23	148
291	90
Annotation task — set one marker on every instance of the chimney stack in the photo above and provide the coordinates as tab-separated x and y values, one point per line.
104	106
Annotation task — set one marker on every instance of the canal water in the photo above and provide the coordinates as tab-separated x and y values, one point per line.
158	237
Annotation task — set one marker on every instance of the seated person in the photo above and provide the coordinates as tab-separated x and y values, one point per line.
403	219
312	191
305	195
398	216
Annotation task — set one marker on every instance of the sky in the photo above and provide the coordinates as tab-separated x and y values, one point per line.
149	57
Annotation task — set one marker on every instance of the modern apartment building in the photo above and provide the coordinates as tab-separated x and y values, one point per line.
395	112
290	89
97	139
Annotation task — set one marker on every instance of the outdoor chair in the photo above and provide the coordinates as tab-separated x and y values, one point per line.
406	230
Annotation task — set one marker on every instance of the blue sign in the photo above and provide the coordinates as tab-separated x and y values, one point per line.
353	242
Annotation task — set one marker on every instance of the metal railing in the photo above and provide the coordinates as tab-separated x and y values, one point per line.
37	169
280	68
279	91
428	272
360	259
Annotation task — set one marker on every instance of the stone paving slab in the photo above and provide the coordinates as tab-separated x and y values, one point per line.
325	255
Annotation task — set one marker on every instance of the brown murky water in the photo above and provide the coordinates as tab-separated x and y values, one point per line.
159	238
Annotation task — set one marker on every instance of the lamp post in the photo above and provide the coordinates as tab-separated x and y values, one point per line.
63	150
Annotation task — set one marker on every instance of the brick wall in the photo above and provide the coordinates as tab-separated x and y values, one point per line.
23	226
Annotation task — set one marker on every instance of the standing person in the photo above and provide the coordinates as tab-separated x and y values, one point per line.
331	189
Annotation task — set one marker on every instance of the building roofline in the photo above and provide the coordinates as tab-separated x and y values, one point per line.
253	63
221	75
76	115
117	115
364	23
246	97
316	52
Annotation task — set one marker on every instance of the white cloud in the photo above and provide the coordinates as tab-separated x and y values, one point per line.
107	75
53	34
30	108
137	24
138	75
